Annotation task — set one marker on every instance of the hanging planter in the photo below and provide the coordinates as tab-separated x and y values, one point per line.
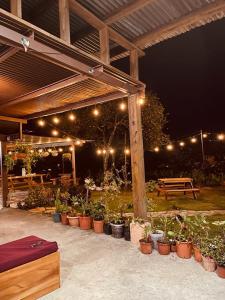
55	153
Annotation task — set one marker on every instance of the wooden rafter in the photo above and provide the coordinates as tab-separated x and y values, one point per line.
16	7
104	45
127	10
78	105
11	119
8	53
64	20
95	22
47	53
45	90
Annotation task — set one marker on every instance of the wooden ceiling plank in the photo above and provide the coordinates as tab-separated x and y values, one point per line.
198	15
40	9
11	119
95	22
8	53
45	90
78	105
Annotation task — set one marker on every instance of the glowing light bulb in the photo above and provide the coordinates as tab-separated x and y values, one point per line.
55	132
78	143
141	101
221	137
111	151
10	152
41	123
55	120
104	151
96	112
156	149
49	150
123	106
72	117
60	149
68	139
193	140
205	135
40	150
127	151
182	144
169	147
71	148
99	151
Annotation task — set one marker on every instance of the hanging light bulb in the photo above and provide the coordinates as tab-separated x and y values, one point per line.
96	112
221	137
41	123
127	151
169	147
111	151
123	106
56	120
60	149
99	151
10	152
40	150
78	142
49	150
205	135
156	149
104	151
141	101
72	117
71	148
55	132
68	139
182	144
193	140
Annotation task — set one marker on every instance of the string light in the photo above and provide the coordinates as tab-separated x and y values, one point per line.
10	152
127	151
72	117
55	120
169	147
40	150
71	148
55	132
156	149
193	140
141	101
96	112
221	137
60	149
182	144
205	135
78	143
111	151
49	150
123	106
104	151
68	139
99	151
41	123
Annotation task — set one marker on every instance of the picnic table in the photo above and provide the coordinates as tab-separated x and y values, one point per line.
174	185
24	181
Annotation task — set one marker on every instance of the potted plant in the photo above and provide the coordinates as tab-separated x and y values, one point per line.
156	234
73	215
117	225
57	214
137	230
64	213
85	217
183	238
145	242
208	249
219	257
98	210
164	242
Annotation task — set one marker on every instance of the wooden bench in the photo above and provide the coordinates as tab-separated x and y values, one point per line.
168	190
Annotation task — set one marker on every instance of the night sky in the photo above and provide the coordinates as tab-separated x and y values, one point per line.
188	74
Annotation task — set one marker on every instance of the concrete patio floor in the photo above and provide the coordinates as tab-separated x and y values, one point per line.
101	267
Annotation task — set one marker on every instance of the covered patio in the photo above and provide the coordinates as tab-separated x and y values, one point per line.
56	57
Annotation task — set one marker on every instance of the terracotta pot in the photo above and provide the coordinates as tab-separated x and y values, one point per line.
117	230
145	247
163	248
197	254
184	249
98	226
73	221
85	222
64	219
208	264
220	271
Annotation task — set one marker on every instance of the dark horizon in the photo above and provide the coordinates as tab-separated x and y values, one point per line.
188	74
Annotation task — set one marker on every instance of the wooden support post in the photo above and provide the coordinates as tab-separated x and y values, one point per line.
64	20
104	45
4	175
136	146
16	7
21	131
74	163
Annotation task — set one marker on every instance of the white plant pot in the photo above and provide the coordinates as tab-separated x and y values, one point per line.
155	237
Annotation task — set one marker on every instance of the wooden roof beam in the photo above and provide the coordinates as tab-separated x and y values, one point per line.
170	29
95	22
16	7
127	10
45	90
11	119
8	53
78	105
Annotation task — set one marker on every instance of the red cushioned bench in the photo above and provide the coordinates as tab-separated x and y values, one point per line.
29	268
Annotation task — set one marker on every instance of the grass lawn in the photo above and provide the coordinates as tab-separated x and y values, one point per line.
209	199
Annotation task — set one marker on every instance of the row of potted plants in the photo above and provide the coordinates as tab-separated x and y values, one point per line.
190	236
